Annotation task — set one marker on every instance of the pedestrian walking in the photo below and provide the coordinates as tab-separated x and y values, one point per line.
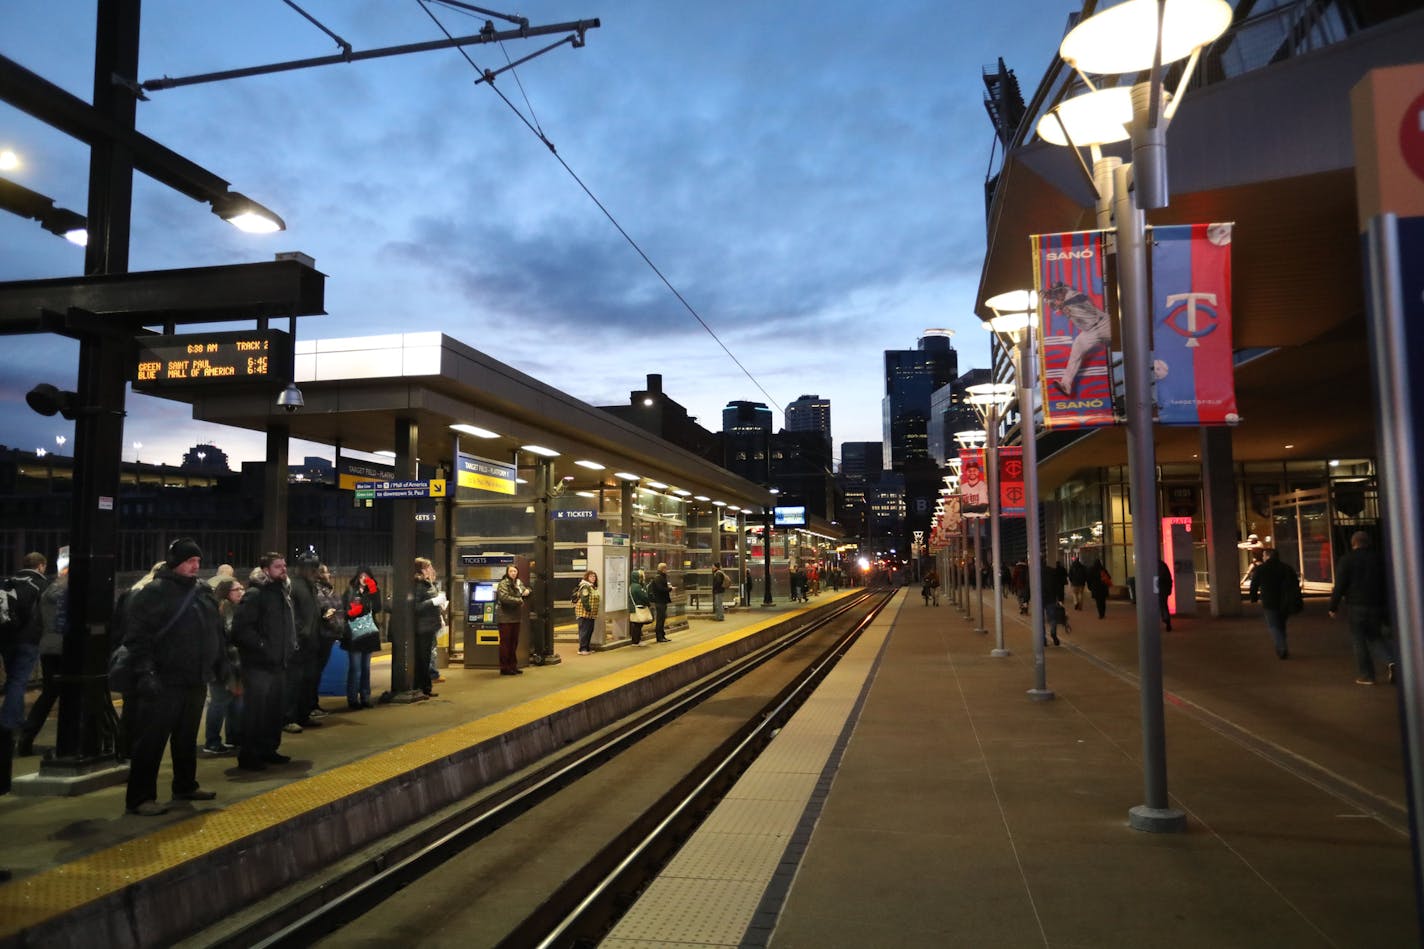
1077	580
1360	581
21	627
1276	585
719	587
1099	585
1164	590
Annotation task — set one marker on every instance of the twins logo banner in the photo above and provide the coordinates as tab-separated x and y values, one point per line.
1011	481
1191	312
973	482
1074	330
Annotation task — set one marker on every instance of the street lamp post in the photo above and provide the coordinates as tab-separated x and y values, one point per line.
990	399
1012	320
1129	39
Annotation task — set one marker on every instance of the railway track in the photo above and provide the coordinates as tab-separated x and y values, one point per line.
554	855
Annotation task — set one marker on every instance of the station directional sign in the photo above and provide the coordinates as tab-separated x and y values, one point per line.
380	490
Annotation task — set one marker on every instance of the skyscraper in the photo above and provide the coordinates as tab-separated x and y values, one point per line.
911	377
810	413
746	440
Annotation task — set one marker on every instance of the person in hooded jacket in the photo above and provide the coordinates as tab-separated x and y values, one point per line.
363	598
264	630
429	602
331	626
172	633
304	673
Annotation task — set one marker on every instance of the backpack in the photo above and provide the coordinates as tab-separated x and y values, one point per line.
13	617
1105	577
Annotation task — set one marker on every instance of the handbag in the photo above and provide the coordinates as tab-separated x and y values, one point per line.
640	614
362	627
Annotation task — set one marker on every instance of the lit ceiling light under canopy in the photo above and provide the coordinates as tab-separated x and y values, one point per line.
1093	118
682	492
700	497
590	465
474	430
627	476
539	450
1121	39
719	503
657	484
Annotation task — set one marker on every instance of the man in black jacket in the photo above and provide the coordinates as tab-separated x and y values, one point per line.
304	674
660	592
1267	583
173	635
1360	579
265	634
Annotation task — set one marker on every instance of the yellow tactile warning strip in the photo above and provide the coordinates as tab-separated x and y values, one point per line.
709	893
26	902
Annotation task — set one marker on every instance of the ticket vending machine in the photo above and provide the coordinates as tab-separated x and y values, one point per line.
482	575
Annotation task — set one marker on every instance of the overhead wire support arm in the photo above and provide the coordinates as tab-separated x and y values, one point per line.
577	27
489	74
345	46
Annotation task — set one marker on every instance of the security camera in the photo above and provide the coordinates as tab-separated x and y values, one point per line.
291	398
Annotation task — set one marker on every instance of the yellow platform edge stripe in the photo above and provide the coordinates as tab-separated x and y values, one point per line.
34	899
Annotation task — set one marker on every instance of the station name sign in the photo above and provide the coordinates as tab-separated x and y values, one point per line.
206	358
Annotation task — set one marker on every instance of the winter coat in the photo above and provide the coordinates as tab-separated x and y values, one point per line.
305	613
189	653
719	581
358	600
1268	580
264	627
1360	579
586	601
1096	584
1164	579
1077	573
638	594
29	586
509	600
332	627
659	590
428	618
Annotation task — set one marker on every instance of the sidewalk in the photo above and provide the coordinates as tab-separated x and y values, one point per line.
965	814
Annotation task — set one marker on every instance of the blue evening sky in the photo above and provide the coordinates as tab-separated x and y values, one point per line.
809	176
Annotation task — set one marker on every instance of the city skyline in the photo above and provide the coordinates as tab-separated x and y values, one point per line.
809	196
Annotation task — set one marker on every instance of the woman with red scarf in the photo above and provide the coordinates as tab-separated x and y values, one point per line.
363	598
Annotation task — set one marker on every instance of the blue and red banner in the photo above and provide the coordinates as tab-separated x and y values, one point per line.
1191	314
1074	330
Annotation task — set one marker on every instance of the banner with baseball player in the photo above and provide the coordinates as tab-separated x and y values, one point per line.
973	483
1011	481
1191	325
1074	330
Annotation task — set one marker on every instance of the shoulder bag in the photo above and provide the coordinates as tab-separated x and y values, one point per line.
362	627
121	671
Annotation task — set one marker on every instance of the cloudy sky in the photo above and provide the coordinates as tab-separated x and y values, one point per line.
808	176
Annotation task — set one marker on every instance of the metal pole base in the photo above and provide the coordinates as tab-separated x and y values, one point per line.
71	778
999	653
1157	820
1041	695
981	630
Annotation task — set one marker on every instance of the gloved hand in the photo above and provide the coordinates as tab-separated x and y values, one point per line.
148	685
370	584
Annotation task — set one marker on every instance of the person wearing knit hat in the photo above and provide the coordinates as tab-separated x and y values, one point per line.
182	550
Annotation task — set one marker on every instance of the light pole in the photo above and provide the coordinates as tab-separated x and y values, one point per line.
1012	321
989	400
1129	39
971	439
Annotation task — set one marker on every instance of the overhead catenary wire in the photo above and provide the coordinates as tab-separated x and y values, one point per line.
538	132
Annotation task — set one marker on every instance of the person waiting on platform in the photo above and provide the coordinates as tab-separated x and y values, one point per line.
304	674
719	587
586	603
225	695
331	626
639	607
363	636
509	597
429	616
660	592
171	632
54	620
264	630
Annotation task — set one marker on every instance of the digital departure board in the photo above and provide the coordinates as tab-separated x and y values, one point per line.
204	358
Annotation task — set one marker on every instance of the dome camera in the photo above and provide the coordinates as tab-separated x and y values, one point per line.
291	398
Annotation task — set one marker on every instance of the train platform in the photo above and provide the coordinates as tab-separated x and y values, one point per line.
84	868
922	798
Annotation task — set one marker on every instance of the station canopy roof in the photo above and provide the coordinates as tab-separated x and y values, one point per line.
357	390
